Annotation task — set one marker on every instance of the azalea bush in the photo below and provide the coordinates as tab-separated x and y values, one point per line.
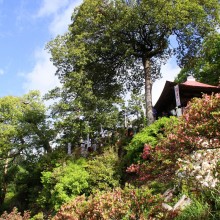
15	215
120	203
199	126
149	135
157	166
200	168
196	132
198	142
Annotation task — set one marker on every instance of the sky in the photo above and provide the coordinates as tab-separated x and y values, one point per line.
26	26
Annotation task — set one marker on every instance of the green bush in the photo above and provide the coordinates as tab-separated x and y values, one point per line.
149	135
198	210
63	184
213	199
103	171
26	185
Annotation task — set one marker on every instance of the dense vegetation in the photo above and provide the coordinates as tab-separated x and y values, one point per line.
180	155
206	63
168	169
116	45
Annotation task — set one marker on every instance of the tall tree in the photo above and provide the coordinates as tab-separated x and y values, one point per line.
130	39
86	101
206	66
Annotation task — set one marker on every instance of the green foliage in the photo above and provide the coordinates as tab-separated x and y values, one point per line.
183	74
63	184
103	171
136	109
195	211
149	135
211	196
39	216
25	184
83	105
23	130
111	43
206	68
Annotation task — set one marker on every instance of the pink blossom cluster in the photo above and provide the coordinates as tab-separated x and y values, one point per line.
146	152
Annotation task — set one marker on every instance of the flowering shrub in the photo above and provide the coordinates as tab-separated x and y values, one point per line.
15	215
199	126
149	135
118	204
200	168
158	165
196	132
146	152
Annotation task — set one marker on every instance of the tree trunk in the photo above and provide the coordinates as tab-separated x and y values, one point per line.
148	91
3	192
43	139
4	183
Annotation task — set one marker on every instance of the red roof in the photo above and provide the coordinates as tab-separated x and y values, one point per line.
195	83
187	90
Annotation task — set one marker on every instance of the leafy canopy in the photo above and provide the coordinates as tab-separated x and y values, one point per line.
206	67
111	43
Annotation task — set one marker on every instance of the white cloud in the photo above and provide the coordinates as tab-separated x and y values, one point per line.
61	12
60	22
2	71
42	76
169	72
49	7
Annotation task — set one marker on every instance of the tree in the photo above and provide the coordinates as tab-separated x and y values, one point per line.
125	41
207	64
83	107
136	109
24	132
78	114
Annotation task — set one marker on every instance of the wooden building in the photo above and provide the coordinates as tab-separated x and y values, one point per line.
175	97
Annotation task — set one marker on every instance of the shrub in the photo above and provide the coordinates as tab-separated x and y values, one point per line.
199	126
199	169
149	135
117	204
196	211
15	215
197	129
63	184
211	196
103	171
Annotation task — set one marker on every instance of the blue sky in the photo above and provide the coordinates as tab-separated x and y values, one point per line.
25	28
